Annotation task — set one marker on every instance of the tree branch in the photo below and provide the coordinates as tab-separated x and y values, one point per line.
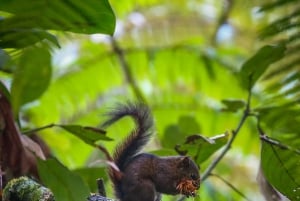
126	69
229	143
227	8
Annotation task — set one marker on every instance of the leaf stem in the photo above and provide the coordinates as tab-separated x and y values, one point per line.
231	186
231	140
28	132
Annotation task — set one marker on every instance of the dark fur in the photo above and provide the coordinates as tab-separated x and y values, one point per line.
145	176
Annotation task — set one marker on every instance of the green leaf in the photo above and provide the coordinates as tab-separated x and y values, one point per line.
186	124
254	67
280	25
233	105
168	140
90	176
90	16
20	38
275	4
90	135
65	185
32	76
5	60
281	167
200	147
283	118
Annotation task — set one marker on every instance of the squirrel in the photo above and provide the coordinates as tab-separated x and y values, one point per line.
143	176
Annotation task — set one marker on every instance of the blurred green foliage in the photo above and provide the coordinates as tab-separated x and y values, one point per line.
195	63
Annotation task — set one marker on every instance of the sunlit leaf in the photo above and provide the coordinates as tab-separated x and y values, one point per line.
281	167
32	76
233	105
200	147
89	135
65	185
254	67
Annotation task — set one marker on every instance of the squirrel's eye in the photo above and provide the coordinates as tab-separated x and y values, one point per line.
194	176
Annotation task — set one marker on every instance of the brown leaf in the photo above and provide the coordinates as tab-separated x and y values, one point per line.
18	153
32	147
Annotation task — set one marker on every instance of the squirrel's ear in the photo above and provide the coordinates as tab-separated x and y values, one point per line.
184	162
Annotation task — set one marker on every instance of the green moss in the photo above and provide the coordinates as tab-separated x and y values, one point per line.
25	189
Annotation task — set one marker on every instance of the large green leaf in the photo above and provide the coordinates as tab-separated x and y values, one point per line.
200	147
90	16
20	38
65	185
281	167
254	67
32	76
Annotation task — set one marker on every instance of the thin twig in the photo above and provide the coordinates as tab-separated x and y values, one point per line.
126	69
231	186
229	143
28	132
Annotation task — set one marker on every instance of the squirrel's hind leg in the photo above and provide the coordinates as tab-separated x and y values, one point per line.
142	191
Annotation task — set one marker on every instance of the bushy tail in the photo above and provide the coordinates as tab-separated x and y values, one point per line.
137	138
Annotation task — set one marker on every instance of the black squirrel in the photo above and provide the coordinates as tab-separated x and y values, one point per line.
143	176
